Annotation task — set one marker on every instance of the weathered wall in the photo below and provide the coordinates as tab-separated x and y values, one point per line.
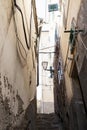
71	11
60	98
75	110
82	50
64	40
17	61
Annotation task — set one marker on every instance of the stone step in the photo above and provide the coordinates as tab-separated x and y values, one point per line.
48	122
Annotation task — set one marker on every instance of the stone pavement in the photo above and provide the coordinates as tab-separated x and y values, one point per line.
48	122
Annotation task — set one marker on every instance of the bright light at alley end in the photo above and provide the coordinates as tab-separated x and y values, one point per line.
52	7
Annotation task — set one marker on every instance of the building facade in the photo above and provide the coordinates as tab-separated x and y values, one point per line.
48	38
72	106
18	33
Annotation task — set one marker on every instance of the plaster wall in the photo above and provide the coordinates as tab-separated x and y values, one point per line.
71	12
17	62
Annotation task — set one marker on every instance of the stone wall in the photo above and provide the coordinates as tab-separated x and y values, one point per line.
17	61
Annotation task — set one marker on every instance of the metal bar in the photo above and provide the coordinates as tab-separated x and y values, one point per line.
68	31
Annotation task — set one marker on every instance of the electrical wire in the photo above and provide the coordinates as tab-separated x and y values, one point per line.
17	35
46	47
22	23
26	22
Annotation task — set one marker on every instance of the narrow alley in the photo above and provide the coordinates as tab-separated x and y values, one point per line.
43	65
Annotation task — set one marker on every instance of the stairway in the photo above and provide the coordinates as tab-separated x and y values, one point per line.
48	122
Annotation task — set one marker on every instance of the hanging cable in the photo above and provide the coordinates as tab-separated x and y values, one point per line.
22	23
19	41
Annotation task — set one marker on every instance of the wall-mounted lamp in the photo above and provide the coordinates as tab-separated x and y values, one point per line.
44	65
